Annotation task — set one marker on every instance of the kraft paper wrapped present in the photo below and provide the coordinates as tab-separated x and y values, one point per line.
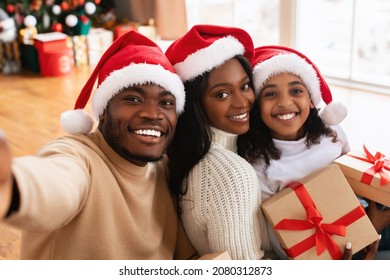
368	174
315	217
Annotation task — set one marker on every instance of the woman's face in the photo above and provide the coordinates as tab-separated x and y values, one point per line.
285	104
228	98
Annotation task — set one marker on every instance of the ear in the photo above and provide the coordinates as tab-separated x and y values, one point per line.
311	105
103	115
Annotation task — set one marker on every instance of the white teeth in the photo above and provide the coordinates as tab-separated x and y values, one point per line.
148	132
286	116
240	116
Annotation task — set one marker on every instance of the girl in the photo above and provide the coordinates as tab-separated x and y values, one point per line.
289	136
217	190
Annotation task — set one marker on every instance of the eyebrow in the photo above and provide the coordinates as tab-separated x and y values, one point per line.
228	84
293	83
140	90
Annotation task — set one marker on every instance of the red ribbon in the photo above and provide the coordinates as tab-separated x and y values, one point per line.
322	237
380	165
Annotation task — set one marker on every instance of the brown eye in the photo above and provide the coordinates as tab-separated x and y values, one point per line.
222	95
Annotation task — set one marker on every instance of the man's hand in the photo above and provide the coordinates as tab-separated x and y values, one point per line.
379	218
5	176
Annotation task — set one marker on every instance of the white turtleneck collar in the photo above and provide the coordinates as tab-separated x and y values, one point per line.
227	140
291	148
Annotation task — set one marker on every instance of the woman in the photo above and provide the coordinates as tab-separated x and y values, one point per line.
218	192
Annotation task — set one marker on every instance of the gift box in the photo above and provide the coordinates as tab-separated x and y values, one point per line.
79	46
123	28
315	217
29	57
368	174
56	63
55	56
98	41
49	42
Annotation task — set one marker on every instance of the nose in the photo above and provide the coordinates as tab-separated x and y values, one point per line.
239	100
152	112
285	101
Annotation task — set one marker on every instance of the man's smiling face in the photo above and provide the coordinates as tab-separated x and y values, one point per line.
139	123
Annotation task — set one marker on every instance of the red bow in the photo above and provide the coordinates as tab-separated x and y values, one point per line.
322	237
380	165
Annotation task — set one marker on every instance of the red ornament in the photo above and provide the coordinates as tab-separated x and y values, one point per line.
97	2
84	19
36	5
64	6
57	27
10	8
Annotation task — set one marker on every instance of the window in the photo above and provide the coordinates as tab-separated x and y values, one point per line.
348	39
260	18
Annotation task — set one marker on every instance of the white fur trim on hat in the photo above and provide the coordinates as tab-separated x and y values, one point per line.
76	122
207	58
333	113
137	74
288	63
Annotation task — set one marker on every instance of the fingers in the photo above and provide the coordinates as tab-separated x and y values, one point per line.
371	250
5	175
5	160
348	251
371	204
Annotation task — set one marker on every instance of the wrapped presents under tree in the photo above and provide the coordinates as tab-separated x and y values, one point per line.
55	57
98	41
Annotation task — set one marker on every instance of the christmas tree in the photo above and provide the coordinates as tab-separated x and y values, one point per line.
73	17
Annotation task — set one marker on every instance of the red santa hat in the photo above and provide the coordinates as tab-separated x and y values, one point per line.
205	47
272	60
131	60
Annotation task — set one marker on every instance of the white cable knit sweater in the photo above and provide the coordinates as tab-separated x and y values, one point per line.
221	209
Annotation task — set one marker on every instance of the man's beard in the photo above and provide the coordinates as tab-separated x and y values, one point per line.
113	141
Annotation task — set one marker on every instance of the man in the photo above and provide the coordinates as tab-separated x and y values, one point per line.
104	194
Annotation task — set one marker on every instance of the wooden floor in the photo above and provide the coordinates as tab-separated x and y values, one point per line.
30	108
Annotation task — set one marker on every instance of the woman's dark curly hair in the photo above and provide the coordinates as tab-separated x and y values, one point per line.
257	143
192	139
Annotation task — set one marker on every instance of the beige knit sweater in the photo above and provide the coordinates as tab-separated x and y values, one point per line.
221	210
81	200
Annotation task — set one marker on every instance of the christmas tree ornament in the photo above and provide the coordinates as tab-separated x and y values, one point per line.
71	20
90	8
56	10
30	21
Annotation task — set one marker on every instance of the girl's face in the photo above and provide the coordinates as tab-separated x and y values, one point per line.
285	106
228	98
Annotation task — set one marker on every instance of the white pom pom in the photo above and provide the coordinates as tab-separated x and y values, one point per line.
76	122
30	21
71	20
334	113
90	8
56	9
